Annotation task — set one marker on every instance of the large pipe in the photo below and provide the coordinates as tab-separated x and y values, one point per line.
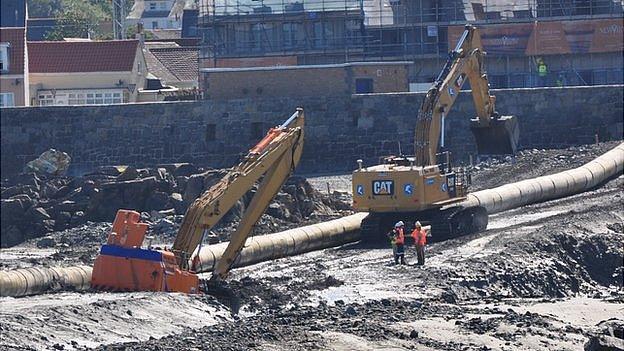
550	187
35	280
30	281
287	243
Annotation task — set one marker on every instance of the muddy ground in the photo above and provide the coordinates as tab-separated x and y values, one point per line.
542	277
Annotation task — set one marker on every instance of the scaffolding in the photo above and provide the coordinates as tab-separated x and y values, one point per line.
236	32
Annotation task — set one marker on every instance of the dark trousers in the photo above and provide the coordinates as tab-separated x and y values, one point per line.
420	254
399	253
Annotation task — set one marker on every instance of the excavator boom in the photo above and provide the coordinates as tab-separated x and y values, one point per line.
272	159
494	135
123	265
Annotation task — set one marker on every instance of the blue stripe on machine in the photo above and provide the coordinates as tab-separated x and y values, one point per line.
118	251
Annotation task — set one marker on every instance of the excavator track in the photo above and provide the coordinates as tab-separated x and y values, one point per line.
458	221
445	223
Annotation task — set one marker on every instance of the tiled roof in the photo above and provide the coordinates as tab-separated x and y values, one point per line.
181	62
81	56
171	63
14	36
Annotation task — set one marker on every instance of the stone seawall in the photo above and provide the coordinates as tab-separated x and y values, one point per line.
339	130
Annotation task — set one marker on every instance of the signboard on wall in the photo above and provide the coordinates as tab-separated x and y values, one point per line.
548	38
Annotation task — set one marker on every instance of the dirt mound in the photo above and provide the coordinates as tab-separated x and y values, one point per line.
533	163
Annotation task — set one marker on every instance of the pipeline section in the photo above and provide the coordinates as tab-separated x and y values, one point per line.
35	280
287	243
336	232
554	186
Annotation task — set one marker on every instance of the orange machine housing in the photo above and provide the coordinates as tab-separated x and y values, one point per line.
123	265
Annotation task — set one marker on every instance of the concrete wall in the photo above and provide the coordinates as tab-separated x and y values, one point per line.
339	130
301	81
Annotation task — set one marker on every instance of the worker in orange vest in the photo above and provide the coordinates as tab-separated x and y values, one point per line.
420	240
397	238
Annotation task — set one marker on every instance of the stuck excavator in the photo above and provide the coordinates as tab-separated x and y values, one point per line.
124	265
417	187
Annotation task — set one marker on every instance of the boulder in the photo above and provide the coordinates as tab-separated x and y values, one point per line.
181	182
51	162
37	214
62	192
157	201
10	236
46	242
88	188
194	188
62	220
114	171
604	343
180	169
78	219
129	173
11	210
177	202
275	210
30	179
25	201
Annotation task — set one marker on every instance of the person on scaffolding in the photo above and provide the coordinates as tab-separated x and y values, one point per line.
397	239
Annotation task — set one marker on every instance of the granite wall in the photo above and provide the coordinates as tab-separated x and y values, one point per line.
339	130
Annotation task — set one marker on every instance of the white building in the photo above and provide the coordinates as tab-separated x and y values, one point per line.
158	14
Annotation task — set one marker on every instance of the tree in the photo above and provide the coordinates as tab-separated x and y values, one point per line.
43	8
79	19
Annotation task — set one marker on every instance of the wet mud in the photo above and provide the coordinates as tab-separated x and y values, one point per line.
542	277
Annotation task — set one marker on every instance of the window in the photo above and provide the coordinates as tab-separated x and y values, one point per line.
76	99
81	97
291	32
152	6
255	36
318	35
46	100
323	34
4	57
363	85
211	132
6	100
154	24
162	5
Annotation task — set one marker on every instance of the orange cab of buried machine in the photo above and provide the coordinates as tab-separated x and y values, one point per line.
123	265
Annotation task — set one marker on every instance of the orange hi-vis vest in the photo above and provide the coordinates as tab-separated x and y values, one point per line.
400	236
420	237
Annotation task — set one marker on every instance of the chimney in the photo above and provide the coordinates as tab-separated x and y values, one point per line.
139	33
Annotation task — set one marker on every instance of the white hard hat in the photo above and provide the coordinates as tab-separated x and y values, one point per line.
399	224
417	224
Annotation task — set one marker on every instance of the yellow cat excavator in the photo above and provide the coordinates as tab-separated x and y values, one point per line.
123	265
417	187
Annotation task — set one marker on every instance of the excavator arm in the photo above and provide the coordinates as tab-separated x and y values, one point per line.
271	160
494	134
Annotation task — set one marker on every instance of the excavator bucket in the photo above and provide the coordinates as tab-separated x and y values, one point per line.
499	137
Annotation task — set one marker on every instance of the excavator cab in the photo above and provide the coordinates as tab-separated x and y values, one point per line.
499	137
